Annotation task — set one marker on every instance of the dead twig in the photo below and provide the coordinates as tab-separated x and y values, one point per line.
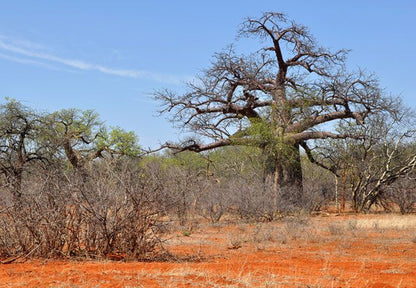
11	260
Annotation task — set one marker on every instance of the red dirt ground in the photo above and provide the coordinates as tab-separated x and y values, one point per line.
334	251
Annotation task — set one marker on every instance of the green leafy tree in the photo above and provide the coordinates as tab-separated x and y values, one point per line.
82	137
119	142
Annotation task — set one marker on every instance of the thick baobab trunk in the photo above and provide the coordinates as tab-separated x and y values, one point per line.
288	177
289	169
286	171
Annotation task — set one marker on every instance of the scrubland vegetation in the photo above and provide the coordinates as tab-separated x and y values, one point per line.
286	148
280	134
120	204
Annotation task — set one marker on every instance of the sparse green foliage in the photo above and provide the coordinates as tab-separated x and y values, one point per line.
75	133
83	137
119	142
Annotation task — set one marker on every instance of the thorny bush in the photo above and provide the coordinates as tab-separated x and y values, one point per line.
109	208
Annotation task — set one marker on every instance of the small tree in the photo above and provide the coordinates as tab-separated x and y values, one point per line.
371	164
277	98
82	137
20	142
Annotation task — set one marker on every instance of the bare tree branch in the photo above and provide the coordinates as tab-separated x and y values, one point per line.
276	96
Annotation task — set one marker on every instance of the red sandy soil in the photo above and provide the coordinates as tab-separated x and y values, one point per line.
332	251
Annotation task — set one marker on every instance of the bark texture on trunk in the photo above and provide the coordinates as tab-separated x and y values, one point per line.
286	171
72	156
289	168
289	177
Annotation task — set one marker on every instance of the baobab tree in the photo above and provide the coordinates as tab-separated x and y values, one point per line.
279	98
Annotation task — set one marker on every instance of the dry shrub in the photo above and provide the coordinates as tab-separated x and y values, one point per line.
109	208
402	193
298	227
214	201
252	199
336	229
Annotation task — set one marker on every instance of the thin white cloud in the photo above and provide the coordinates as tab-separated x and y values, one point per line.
31	51
27	61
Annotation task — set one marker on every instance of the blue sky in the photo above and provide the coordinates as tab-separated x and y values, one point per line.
110	56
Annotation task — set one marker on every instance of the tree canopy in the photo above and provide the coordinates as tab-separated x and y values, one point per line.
283	96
